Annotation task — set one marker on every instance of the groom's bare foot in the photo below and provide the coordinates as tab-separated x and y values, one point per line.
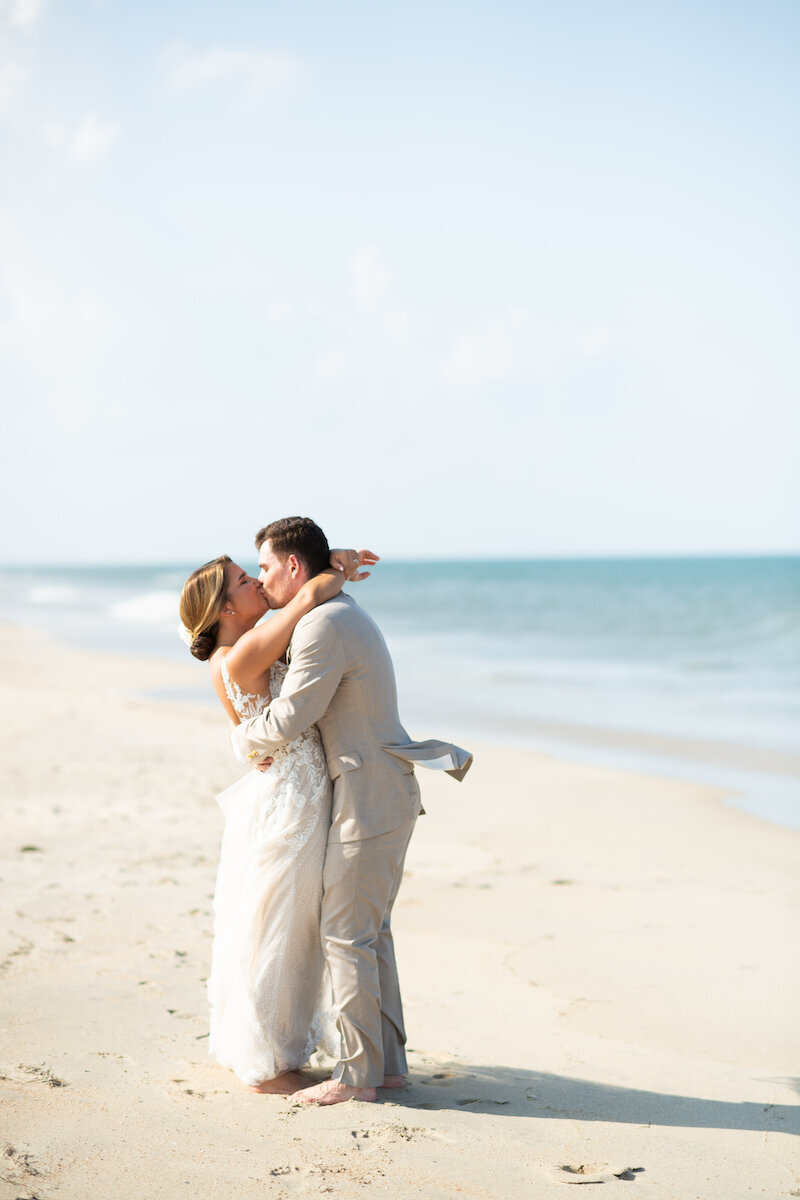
394	1081
282	1085
331	1091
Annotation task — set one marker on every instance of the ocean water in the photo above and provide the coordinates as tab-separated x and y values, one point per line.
549	653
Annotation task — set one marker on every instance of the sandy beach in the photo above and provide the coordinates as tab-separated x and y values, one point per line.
600	973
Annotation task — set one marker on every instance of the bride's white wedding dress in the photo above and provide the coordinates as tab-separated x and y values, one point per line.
269	990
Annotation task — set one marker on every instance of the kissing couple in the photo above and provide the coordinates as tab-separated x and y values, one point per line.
316	836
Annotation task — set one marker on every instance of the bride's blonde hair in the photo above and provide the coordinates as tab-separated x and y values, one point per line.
202	598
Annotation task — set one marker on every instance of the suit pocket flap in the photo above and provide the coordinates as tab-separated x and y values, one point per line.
339	763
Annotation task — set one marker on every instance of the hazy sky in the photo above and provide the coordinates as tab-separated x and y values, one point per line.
509	277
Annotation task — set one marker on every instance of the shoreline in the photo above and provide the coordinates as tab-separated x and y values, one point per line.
596	968
523	732
758	780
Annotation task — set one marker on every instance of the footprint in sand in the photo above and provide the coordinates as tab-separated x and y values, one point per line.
17	1165
380	1134
598	1172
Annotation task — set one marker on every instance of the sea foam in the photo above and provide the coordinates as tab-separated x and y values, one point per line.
53	594
149	608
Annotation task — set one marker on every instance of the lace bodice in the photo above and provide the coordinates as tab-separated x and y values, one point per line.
305	751
250	704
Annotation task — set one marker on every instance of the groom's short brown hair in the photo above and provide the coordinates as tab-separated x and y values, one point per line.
299	536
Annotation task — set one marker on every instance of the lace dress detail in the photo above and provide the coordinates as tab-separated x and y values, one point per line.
246	704
268	990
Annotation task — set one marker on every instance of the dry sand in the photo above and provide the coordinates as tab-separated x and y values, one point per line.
600	972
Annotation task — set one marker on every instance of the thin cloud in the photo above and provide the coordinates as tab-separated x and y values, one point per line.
279	310
88	142
255	74
516	345
14	76
591	343
24	13
371	279
63	330
337	365
373	337
92	139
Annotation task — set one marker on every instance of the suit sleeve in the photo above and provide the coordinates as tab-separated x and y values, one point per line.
317	666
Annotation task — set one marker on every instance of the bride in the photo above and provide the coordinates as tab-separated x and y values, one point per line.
268	988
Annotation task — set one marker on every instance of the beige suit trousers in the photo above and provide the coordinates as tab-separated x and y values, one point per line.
360	883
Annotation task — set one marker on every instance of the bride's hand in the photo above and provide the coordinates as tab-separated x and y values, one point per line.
348	562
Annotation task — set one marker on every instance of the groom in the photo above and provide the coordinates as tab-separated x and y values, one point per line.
341	678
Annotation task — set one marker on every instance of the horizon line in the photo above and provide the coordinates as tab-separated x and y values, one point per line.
573	556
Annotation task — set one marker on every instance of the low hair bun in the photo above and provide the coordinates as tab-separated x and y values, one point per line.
200	606
202	646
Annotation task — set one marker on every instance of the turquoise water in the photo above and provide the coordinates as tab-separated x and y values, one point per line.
698	648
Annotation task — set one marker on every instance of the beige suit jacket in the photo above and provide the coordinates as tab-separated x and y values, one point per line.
341	679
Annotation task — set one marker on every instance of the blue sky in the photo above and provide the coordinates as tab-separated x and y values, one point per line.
508	278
